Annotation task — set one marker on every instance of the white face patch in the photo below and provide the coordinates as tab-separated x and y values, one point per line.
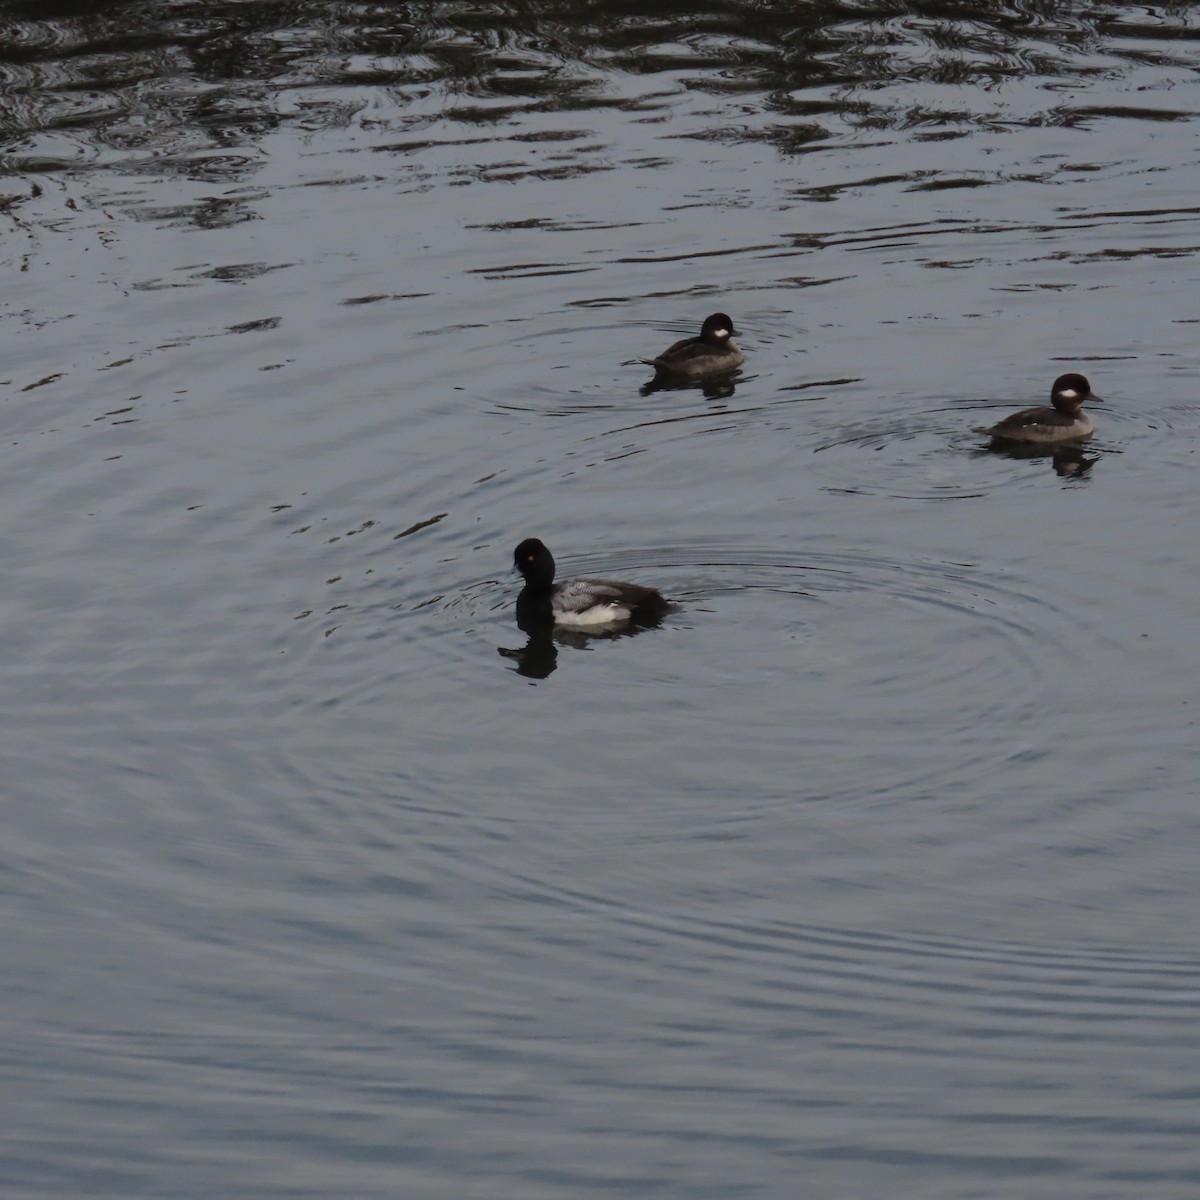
720	333
1069	394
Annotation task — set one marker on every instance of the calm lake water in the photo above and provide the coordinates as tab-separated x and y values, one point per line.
871	872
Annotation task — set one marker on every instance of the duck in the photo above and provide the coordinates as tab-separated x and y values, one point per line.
1064	422
711	353
579	603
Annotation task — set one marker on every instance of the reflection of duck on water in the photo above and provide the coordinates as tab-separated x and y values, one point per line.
718	387
539	656
1068	459
1071	462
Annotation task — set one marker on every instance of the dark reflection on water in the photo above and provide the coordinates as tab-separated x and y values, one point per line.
717	388
1070	461
199	82
538	658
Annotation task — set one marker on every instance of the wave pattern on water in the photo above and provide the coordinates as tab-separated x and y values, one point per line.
227	74
873	864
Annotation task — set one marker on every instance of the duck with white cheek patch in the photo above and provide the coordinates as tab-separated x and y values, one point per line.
712	353
1065	422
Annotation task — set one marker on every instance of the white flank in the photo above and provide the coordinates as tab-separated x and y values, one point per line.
598	614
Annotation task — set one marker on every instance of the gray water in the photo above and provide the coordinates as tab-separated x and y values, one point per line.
871	872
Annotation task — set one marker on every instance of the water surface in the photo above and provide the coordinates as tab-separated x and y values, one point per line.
873	866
